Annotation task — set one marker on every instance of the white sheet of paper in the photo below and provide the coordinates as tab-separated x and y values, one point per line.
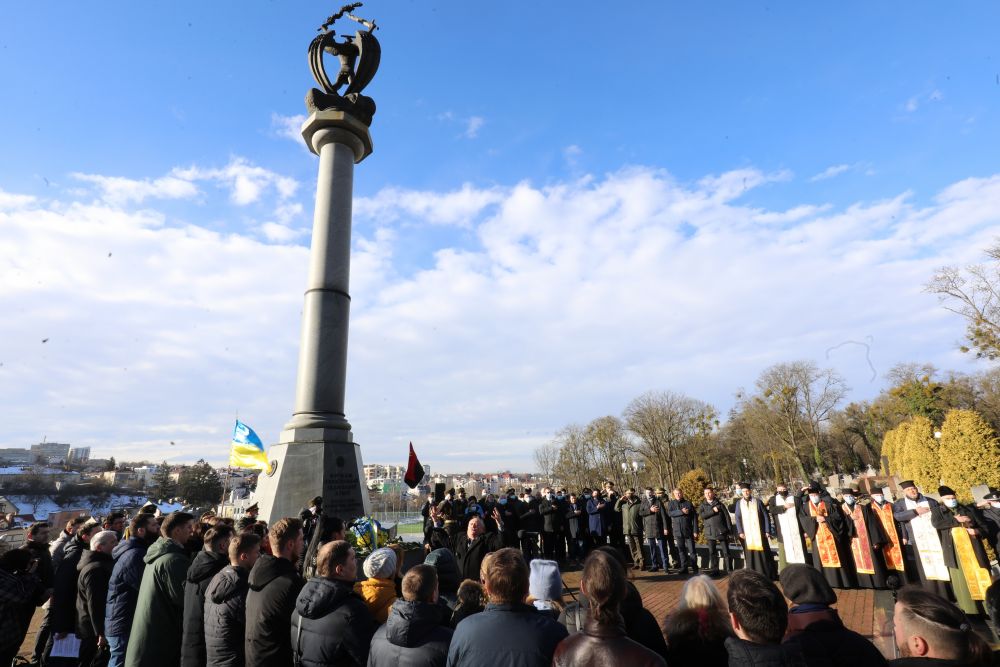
67	647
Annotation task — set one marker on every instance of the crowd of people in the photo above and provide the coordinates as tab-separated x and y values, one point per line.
196	591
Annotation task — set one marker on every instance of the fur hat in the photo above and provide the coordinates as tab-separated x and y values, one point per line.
381	564
804	584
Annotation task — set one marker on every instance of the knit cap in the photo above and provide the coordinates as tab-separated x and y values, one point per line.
381	564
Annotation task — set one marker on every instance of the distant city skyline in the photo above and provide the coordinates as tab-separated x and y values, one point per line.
546	229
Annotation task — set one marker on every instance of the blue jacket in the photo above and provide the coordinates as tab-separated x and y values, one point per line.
521	634
123	589
598	517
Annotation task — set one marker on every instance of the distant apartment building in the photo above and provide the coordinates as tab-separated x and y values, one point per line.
78	455
119	478
17	457
53	452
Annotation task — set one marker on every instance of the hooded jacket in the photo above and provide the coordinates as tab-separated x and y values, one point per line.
378	594
204	566
123	589
336	626
274	585
155	638
225	617
412	637
92	593
524	637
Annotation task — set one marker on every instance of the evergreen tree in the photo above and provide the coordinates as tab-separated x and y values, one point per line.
162	486
970	453
111	464
200	484
890	449
918	453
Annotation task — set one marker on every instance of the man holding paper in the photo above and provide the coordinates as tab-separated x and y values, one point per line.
922	551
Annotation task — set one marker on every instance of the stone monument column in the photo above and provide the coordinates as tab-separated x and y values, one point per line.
316	453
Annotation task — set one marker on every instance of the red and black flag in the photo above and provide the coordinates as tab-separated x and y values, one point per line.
414	471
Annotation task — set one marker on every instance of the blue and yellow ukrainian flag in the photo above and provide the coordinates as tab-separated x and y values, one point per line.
247	450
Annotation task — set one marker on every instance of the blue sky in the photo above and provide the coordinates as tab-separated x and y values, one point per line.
567	206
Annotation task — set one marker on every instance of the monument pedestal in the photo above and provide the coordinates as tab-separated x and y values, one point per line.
308	462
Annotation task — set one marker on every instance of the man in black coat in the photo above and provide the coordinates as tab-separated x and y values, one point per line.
718	528
550	508
92	594
274	585
225	604
815	628
530	522
576	527
510	513
471	547
62	608
413	635
37	542
685	525
331	624
654	527
206	564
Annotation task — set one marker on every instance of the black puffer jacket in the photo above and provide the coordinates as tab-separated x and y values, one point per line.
92	593
412	637
225	617
205	566
336	625
274	585
123	590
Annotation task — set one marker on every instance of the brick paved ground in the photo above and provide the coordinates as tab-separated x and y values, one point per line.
859	609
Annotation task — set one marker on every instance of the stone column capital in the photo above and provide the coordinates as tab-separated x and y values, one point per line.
332	125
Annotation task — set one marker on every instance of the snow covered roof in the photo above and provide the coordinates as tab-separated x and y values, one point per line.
43	506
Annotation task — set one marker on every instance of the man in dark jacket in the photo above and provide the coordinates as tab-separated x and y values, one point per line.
37	542
654	519
630	508
274	585
123	588
685	527
576	527
597	524
63	604
510	512
331	624
815	628
413	636
718	527
508	627
759	616
155	637
206	564
225	604
552	521
530	522
471	547
92	593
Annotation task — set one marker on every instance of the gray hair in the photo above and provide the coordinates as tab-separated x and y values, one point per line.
102	538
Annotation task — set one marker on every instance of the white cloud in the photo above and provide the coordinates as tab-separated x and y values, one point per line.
912	104
9	201
559	305
119	191
245	180
473	125
830	172
288	127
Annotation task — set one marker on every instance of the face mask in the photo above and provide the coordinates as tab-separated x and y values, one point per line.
995	506
551	497
849	499
782	492
814	499
503	501
878	497
448	497
559	496
951	502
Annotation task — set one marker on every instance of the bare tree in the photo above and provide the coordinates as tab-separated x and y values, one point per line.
546	459
664	421
792	404
975	295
